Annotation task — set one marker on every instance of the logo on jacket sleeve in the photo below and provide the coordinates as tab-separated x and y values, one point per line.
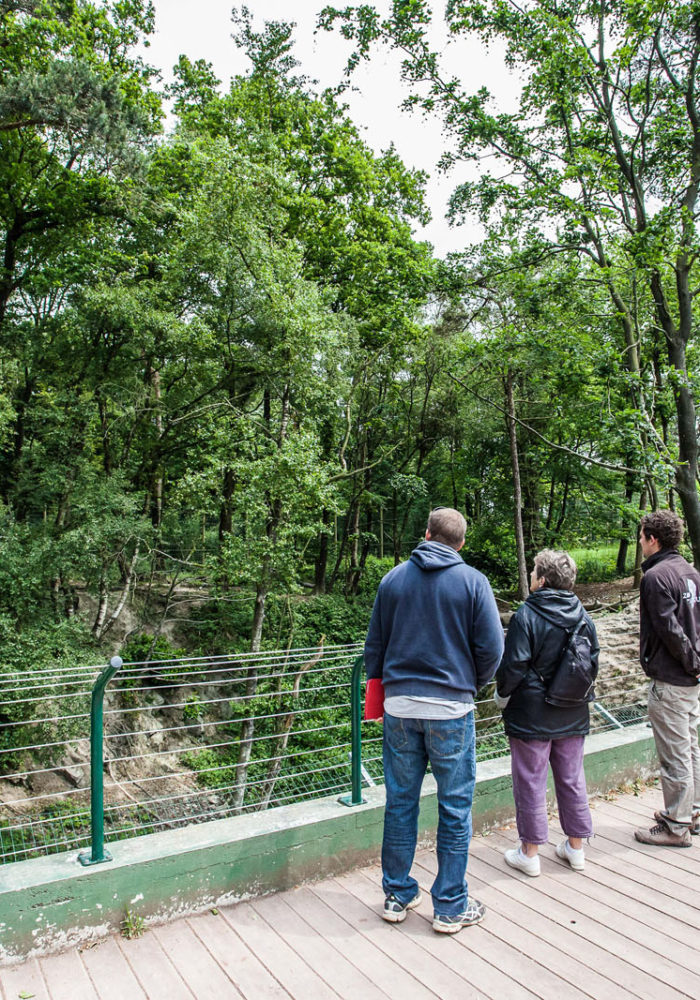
691	594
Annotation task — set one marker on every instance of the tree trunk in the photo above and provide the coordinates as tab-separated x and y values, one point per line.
523	588
225	512
637	571
284	725
623	545
102	604
321	564
123	596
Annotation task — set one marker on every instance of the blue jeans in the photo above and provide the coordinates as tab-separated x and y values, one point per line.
450	746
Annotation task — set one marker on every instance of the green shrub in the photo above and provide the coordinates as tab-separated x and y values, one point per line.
596	565
142	647
375	570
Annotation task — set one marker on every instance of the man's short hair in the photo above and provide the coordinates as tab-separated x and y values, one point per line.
666	526
448	526
557	567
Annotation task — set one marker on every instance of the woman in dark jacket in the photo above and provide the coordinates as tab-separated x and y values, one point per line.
540	733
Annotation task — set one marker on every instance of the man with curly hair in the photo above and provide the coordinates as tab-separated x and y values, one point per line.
669	649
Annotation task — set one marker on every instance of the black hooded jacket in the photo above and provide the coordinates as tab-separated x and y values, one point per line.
669	619
534	645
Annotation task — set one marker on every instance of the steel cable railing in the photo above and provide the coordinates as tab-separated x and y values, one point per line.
212	737
195	739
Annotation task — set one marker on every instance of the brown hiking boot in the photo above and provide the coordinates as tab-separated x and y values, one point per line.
694	822
661	836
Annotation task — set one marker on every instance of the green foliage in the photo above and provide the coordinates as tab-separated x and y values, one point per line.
595	565
193	709
142	647
233	383
132	925
25	657
375	570
331	618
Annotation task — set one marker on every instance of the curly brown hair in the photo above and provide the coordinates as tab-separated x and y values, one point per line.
664	525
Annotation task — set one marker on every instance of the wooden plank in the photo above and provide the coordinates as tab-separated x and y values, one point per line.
110	972
152	968
278	958
640	870
624	902
605	865
67	977
348	980
25	978
515	926
640	809
679	863
567	932
243	968
199	970
504	958
338	910
635	814
348	940
461	954
417	977
658	956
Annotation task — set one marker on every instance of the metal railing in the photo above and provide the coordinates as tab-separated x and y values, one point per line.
195	739
97	853
184	741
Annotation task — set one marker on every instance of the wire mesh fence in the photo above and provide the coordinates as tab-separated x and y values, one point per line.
197	739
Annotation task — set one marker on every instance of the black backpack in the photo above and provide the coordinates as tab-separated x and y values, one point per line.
575	673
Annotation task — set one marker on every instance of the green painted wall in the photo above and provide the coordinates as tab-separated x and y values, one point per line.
49	903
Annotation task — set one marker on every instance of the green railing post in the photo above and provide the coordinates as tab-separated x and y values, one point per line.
97	854
355	796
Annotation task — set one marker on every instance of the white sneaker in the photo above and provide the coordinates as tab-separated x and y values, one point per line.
576	858
516	859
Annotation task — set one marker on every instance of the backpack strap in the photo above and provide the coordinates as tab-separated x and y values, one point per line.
569	635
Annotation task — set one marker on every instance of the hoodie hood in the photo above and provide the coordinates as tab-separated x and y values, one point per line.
558	607
431	556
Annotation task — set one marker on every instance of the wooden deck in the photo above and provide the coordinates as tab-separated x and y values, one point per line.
626	927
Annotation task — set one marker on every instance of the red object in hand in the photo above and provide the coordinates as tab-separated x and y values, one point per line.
374	699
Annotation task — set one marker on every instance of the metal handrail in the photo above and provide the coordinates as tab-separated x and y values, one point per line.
97	853
354	798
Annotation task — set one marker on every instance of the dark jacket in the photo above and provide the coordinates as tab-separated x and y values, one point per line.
435	630
669	619
534	644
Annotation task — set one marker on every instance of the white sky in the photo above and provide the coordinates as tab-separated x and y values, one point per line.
201	29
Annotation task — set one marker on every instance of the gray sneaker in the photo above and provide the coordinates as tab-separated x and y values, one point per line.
473	914
395	911
661	836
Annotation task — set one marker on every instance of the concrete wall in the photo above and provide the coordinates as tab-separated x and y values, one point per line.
50	903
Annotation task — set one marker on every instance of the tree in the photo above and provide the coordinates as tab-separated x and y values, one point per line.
604	149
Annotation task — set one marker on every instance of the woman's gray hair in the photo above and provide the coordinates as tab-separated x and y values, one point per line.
557	567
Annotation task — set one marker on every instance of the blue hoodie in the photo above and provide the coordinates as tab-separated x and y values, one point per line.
435	630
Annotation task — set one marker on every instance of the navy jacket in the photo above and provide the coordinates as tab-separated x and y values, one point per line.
669	619
435	630
534	645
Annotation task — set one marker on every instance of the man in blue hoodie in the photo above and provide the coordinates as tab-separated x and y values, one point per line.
435	638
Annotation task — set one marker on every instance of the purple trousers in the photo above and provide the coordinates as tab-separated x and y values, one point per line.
529	760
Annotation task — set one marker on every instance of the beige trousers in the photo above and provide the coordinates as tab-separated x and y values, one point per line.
674	714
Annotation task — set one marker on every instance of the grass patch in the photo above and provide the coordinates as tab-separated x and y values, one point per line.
597	565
